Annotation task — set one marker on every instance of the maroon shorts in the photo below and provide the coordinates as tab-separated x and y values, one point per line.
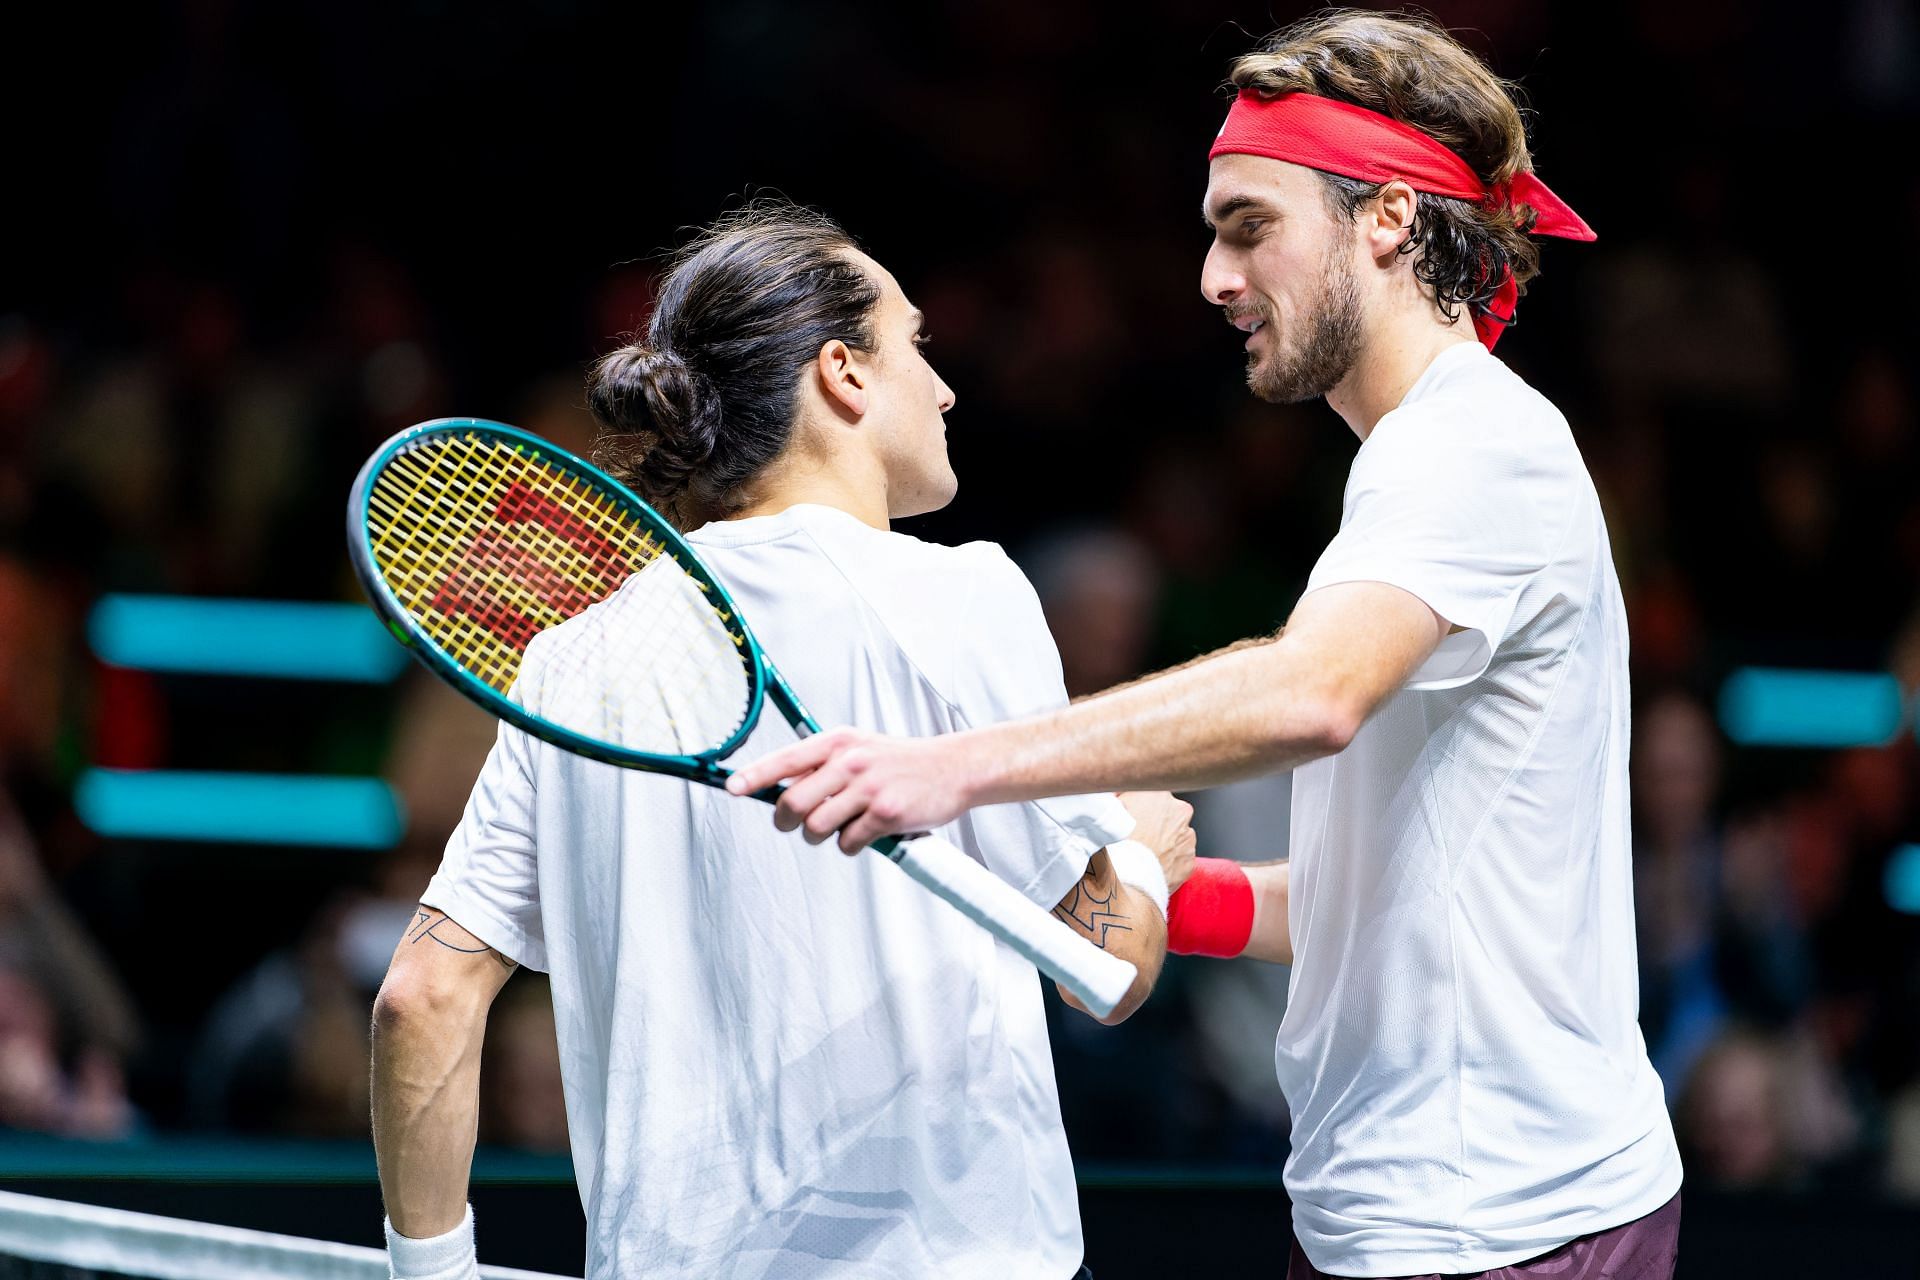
1644	1249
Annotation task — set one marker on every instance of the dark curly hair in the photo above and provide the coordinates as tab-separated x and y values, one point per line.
700	404
1407	67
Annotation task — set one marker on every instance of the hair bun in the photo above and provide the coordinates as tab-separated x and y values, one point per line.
651	389
662	417
706	398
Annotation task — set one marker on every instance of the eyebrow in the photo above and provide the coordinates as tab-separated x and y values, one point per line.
1230	206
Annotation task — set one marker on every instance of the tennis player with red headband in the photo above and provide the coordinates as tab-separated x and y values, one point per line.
1469	1089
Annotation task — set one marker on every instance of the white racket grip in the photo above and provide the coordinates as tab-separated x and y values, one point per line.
1099	980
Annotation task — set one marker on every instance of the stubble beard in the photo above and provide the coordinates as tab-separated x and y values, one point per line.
1331	348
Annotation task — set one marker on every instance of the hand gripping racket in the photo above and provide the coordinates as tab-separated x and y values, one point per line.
549	593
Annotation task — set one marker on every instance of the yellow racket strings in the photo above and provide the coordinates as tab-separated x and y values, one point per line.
487	545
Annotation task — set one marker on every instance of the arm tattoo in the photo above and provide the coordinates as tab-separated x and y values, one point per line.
426	924
1090	913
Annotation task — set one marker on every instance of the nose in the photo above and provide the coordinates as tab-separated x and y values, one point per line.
945	393
1220	278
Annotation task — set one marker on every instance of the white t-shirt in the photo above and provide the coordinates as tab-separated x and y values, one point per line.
780	1061
1460	1051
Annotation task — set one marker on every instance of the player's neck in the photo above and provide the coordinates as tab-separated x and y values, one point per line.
1392	358
849	489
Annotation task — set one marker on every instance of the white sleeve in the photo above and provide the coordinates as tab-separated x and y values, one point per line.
1450	525
1005	666
488	878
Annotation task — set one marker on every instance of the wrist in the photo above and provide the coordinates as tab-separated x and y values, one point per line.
976	766
1139	867
1212	913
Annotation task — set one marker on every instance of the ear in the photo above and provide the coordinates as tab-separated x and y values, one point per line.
842	377
1392	218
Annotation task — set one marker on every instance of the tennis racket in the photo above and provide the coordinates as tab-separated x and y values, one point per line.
480	543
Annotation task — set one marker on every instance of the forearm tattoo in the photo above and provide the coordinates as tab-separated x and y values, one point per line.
1092	914
427	924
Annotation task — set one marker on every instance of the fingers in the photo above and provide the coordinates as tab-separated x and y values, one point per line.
864	830
801	799
788	762
1163	821
833	813
831	786
820	798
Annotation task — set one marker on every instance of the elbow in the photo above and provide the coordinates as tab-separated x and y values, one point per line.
415	1025
1130	1003
1342	724
1331	726
406	1007
1136	996
1148	956
1305	719
396	1011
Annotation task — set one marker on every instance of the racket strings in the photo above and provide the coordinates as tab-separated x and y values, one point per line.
481	582
488	545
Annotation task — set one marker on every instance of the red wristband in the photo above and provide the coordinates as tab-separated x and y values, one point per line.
1212	913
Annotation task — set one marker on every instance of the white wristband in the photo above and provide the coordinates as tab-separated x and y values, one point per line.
445	1257
1139	866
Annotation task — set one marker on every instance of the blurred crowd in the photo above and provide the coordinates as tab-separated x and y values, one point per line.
275	272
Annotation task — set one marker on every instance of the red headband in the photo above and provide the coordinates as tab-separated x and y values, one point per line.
1338	137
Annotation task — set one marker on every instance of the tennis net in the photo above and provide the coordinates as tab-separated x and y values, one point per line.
43	1239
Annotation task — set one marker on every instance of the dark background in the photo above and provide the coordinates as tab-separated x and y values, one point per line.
249	241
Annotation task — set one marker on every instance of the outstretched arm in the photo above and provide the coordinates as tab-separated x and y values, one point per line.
1245	711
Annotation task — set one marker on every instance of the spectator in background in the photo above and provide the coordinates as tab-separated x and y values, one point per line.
286	1048
1730	1115
1676	763
1693	317
67	1028
1903	1144
190	447
32	1093
1099	588
1717	936
1764	1111
1216	583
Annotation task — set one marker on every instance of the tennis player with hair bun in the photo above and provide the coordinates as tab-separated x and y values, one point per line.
1460	1055
777	1063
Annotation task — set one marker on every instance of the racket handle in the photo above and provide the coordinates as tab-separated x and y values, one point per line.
1098	979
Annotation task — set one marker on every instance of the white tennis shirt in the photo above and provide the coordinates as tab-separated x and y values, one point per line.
780	1061
1460	1051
